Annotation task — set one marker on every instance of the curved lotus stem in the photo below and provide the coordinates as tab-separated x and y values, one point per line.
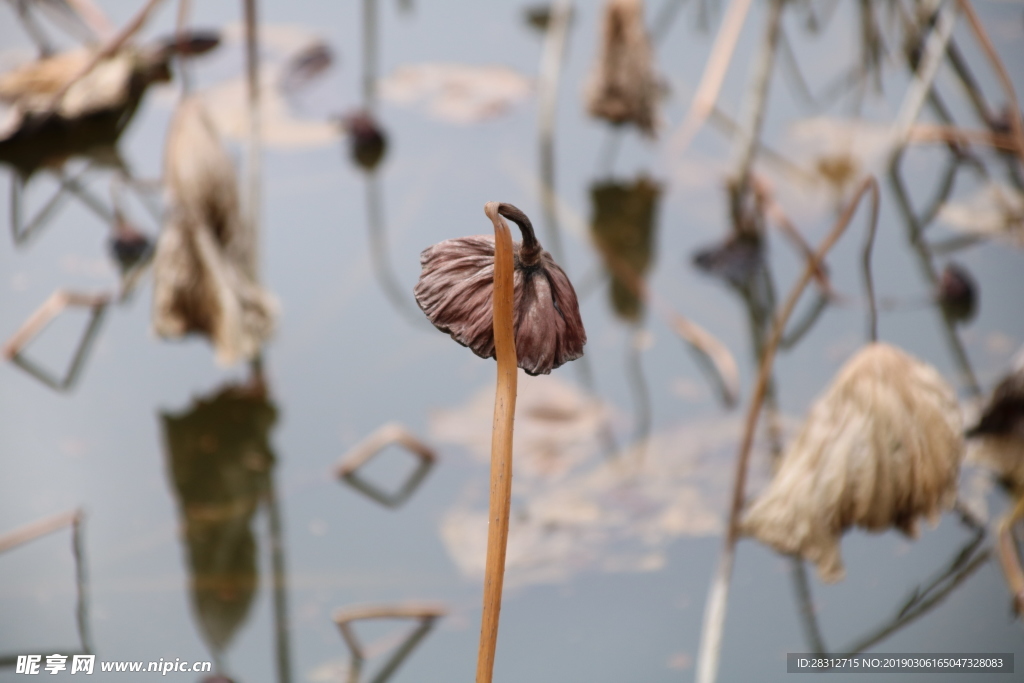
501	442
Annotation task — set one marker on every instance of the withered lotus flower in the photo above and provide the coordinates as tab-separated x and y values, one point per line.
204	266
456	286
623	87
999	432
879	449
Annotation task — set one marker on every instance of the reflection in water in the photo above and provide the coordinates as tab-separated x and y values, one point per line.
392	434
623	224
623	228
573	512
44	527
221	461
58	302
424	614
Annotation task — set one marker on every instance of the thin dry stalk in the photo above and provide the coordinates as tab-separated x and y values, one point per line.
547	87
924	76
50	309
778	216
718	596
180	28
413	610
501	443
92	16
1016	125
253	160
929	132
390	434
39	528
750	132
713	77
1008	556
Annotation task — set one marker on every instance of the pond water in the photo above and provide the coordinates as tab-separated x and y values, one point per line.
214	526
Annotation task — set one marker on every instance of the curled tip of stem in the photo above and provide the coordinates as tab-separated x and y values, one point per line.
530	252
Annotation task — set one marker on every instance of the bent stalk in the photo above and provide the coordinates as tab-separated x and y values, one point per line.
501	444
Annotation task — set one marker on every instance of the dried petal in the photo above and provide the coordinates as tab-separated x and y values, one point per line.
455	290
880	448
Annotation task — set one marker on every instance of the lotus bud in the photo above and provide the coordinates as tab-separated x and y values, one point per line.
456	285
879	449
623	86
367	140
958	292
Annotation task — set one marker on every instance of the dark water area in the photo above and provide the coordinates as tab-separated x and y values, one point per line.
214	526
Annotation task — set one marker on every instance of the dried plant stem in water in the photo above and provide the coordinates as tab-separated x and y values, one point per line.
253	159
501	444
44	315
1016	126
39	528
714	75
1008	556
718	596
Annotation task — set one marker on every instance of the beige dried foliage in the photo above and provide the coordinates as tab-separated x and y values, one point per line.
31	87
879	449
623	86
204	266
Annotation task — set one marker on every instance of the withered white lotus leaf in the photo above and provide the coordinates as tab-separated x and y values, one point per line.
623	86
204	264
456	286
879	449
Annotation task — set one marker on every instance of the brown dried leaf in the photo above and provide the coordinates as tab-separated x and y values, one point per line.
203	267
623	86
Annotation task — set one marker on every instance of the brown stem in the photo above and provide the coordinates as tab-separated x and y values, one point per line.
1008	557
713	76
501	439
253	158
39	528
1016	126
529	255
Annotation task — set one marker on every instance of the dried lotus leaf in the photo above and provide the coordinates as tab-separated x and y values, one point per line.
203	265
881	448
623	86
